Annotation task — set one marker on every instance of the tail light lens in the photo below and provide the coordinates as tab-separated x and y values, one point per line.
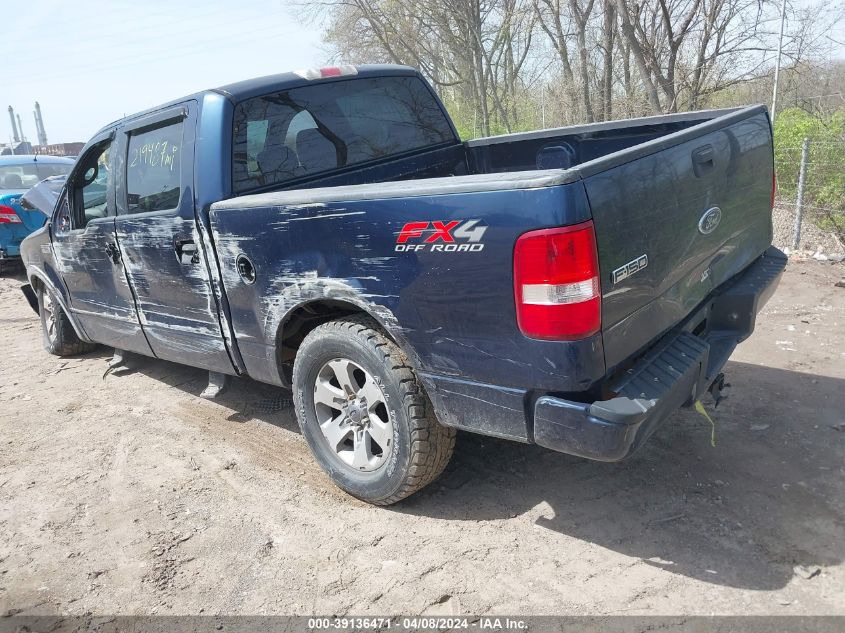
8	215
556	283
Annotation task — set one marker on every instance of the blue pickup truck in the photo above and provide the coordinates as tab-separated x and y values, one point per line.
327	231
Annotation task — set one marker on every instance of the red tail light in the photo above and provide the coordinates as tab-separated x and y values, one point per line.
556	283
8	215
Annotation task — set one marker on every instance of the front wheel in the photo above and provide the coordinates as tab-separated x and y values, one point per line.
364	414
60	339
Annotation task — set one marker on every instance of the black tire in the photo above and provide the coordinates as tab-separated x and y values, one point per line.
61	339
421	447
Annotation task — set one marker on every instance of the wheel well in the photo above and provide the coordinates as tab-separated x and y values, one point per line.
299	324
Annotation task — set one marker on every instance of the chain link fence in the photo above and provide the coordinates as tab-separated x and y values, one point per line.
809	209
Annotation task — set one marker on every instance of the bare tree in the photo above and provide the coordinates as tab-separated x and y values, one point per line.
490	59
608	33
473	51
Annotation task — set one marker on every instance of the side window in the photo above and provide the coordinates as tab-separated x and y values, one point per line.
91	188
153	174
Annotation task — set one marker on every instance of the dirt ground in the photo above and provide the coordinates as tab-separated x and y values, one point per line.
131	495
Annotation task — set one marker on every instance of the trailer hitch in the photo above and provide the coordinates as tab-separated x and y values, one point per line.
717	387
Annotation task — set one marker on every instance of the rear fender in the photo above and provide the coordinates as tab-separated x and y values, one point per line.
279	308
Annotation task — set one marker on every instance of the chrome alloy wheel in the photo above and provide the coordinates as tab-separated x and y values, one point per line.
50	315
352	413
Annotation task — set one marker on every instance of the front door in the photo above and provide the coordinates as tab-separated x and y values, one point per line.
162	250
87	254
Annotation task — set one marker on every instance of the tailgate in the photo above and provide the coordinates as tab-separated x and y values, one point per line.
675	218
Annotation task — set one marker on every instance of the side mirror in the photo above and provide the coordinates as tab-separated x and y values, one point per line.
90	174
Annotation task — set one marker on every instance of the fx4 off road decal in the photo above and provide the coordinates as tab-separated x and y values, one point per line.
453	236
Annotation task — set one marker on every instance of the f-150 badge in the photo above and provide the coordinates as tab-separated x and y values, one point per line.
634	266
445	237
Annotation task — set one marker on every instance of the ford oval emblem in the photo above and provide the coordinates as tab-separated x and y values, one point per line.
710	220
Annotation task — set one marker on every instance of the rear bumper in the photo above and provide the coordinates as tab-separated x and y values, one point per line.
9	253
675	372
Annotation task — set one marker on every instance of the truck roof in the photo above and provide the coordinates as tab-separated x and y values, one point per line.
240	90
262	85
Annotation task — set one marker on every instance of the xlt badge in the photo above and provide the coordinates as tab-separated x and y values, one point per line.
634	266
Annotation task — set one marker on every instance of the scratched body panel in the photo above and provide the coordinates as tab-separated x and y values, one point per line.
447	311
174	296
101	298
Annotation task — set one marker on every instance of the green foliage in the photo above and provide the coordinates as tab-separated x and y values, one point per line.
825	180
470	126
824	190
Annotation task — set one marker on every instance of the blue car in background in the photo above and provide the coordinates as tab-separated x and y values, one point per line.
17	175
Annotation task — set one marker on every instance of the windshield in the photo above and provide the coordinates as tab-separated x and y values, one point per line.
26	175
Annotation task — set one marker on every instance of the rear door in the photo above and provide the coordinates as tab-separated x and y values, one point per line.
86	253
161	248
677	217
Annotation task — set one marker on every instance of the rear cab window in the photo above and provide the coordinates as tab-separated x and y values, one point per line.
314	129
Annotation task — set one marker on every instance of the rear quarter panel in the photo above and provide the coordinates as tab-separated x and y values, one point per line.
452	312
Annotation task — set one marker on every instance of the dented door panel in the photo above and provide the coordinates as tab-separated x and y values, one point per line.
89	263
162	250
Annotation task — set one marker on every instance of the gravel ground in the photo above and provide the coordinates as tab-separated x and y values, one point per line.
813	239
131	495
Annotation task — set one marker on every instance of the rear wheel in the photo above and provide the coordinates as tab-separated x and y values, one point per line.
60	339
364	414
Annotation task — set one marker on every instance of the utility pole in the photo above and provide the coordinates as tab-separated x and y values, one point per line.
777	63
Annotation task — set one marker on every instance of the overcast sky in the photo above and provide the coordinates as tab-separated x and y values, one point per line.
90	62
